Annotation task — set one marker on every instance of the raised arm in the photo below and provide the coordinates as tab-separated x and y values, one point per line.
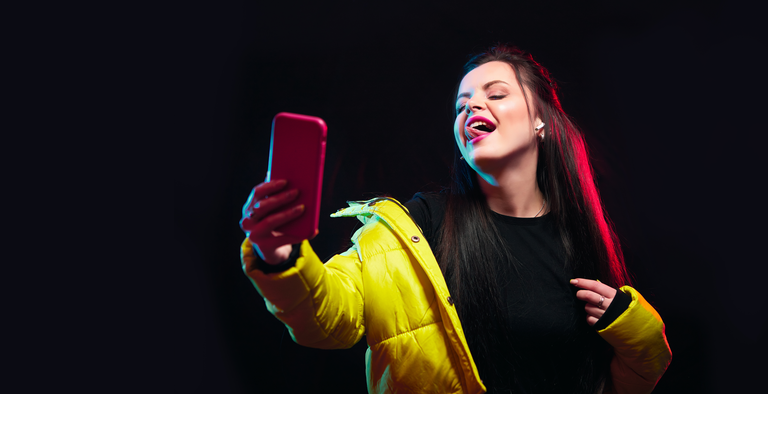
322	305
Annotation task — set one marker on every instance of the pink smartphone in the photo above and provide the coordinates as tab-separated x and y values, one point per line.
297	154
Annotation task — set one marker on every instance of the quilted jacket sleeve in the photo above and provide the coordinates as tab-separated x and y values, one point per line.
641	350
321	304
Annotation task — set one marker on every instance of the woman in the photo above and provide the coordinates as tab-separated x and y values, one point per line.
504	283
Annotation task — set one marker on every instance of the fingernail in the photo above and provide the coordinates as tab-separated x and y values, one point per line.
300	207
574	281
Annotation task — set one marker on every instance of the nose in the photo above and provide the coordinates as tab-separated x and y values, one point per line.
473	106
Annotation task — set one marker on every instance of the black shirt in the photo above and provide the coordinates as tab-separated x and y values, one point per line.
549	346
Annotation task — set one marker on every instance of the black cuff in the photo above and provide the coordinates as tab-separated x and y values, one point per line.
283	266
619	304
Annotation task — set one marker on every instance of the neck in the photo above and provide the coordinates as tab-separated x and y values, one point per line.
514	191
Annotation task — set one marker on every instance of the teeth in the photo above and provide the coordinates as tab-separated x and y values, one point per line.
478	123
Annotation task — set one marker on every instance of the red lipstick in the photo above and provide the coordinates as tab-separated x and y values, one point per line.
474	134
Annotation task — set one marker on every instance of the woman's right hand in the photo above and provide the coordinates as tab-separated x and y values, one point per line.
260	220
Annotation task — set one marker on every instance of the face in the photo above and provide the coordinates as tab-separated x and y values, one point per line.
492	126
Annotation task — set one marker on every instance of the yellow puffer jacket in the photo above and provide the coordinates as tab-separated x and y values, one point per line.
389	287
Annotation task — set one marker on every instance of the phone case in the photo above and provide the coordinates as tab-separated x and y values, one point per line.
297	154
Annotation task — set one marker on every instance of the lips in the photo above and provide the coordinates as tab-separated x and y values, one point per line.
477	127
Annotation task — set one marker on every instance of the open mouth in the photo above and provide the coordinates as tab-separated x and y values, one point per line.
477	126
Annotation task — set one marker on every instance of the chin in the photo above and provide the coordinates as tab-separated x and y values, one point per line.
483	163
493	155
484	156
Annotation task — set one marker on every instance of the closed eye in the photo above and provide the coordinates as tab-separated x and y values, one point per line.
494	97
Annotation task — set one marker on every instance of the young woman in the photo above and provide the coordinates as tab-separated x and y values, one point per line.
504	283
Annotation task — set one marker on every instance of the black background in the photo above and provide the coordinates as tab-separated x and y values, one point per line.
669	95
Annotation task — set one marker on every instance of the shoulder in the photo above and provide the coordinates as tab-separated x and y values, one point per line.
428	201
428	211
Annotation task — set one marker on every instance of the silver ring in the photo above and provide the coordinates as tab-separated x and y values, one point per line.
600	305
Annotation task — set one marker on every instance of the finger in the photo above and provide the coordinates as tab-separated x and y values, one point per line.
264	227
591	320
265	206
593	298
595	286
594	311
262	190
246	224
253	212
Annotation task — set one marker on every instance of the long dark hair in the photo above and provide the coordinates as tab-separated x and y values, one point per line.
469	244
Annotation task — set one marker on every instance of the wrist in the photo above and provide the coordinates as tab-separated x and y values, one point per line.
279	262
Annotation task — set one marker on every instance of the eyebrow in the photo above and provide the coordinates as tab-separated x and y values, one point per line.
485	87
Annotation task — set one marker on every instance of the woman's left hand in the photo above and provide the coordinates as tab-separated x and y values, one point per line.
597	295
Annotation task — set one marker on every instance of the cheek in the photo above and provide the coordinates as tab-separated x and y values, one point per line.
512	112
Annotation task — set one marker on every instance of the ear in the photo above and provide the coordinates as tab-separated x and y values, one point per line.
539	129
